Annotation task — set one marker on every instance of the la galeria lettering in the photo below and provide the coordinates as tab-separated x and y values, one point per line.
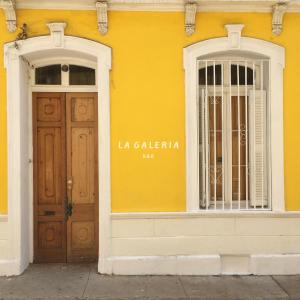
148	145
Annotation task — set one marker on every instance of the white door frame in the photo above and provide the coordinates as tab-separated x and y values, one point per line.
19	126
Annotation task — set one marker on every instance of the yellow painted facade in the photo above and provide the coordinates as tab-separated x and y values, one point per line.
147	97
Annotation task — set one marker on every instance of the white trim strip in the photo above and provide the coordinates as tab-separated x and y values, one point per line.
263	133
230	139
246	133
239	134
160	5
253	163
223	140
207	214
215	264
215	140
207	163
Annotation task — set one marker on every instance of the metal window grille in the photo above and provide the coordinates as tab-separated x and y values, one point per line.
233	139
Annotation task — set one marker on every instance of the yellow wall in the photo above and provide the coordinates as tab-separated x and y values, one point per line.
147	96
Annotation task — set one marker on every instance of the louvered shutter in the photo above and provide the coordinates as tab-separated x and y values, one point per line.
257	148
203	149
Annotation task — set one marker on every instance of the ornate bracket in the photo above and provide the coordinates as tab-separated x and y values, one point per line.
279	10
234	32
190	17
57	31
9	7
101	7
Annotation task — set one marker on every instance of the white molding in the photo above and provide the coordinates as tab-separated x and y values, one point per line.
190	17
57	32
209	214
277	21
9	8
19	126
166	265
162	5
102	18
276	54
280	264
65	89
234	32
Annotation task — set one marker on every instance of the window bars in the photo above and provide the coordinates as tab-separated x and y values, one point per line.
233	139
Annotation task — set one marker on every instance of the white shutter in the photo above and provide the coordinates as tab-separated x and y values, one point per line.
202	108
257	148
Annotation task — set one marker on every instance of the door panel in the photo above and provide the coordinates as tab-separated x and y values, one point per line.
65	170
49	145
82	165
82	176
49	177
238	140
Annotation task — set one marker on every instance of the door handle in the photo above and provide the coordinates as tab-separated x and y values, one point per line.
70	183
68	209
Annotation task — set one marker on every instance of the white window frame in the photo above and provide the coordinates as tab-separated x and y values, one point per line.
245	47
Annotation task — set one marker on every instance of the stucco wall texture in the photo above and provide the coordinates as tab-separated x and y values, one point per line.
147	96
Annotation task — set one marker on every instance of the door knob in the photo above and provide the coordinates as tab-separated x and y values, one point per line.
70	184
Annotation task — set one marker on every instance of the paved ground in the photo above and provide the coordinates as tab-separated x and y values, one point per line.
76	282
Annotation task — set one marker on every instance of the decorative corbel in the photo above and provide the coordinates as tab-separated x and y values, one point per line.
9	7
234	32
57	32
190	17
279	10
101	7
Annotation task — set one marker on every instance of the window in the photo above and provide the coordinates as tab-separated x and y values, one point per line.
266	62
233	134
48	75
63	74
80	75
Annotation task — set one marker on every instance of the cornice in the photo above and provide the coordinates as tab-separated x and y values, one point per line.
163	5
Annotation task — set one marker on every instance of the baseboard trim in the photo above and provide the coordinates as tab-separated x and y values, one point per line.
282	264
11	267
279	264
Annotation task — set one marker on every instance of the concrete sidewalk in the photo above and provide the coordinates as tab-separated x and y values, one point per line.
81	281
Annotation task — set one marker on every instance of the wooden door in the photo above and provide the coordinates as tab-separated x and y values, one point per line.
82	176
49	148
65	172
